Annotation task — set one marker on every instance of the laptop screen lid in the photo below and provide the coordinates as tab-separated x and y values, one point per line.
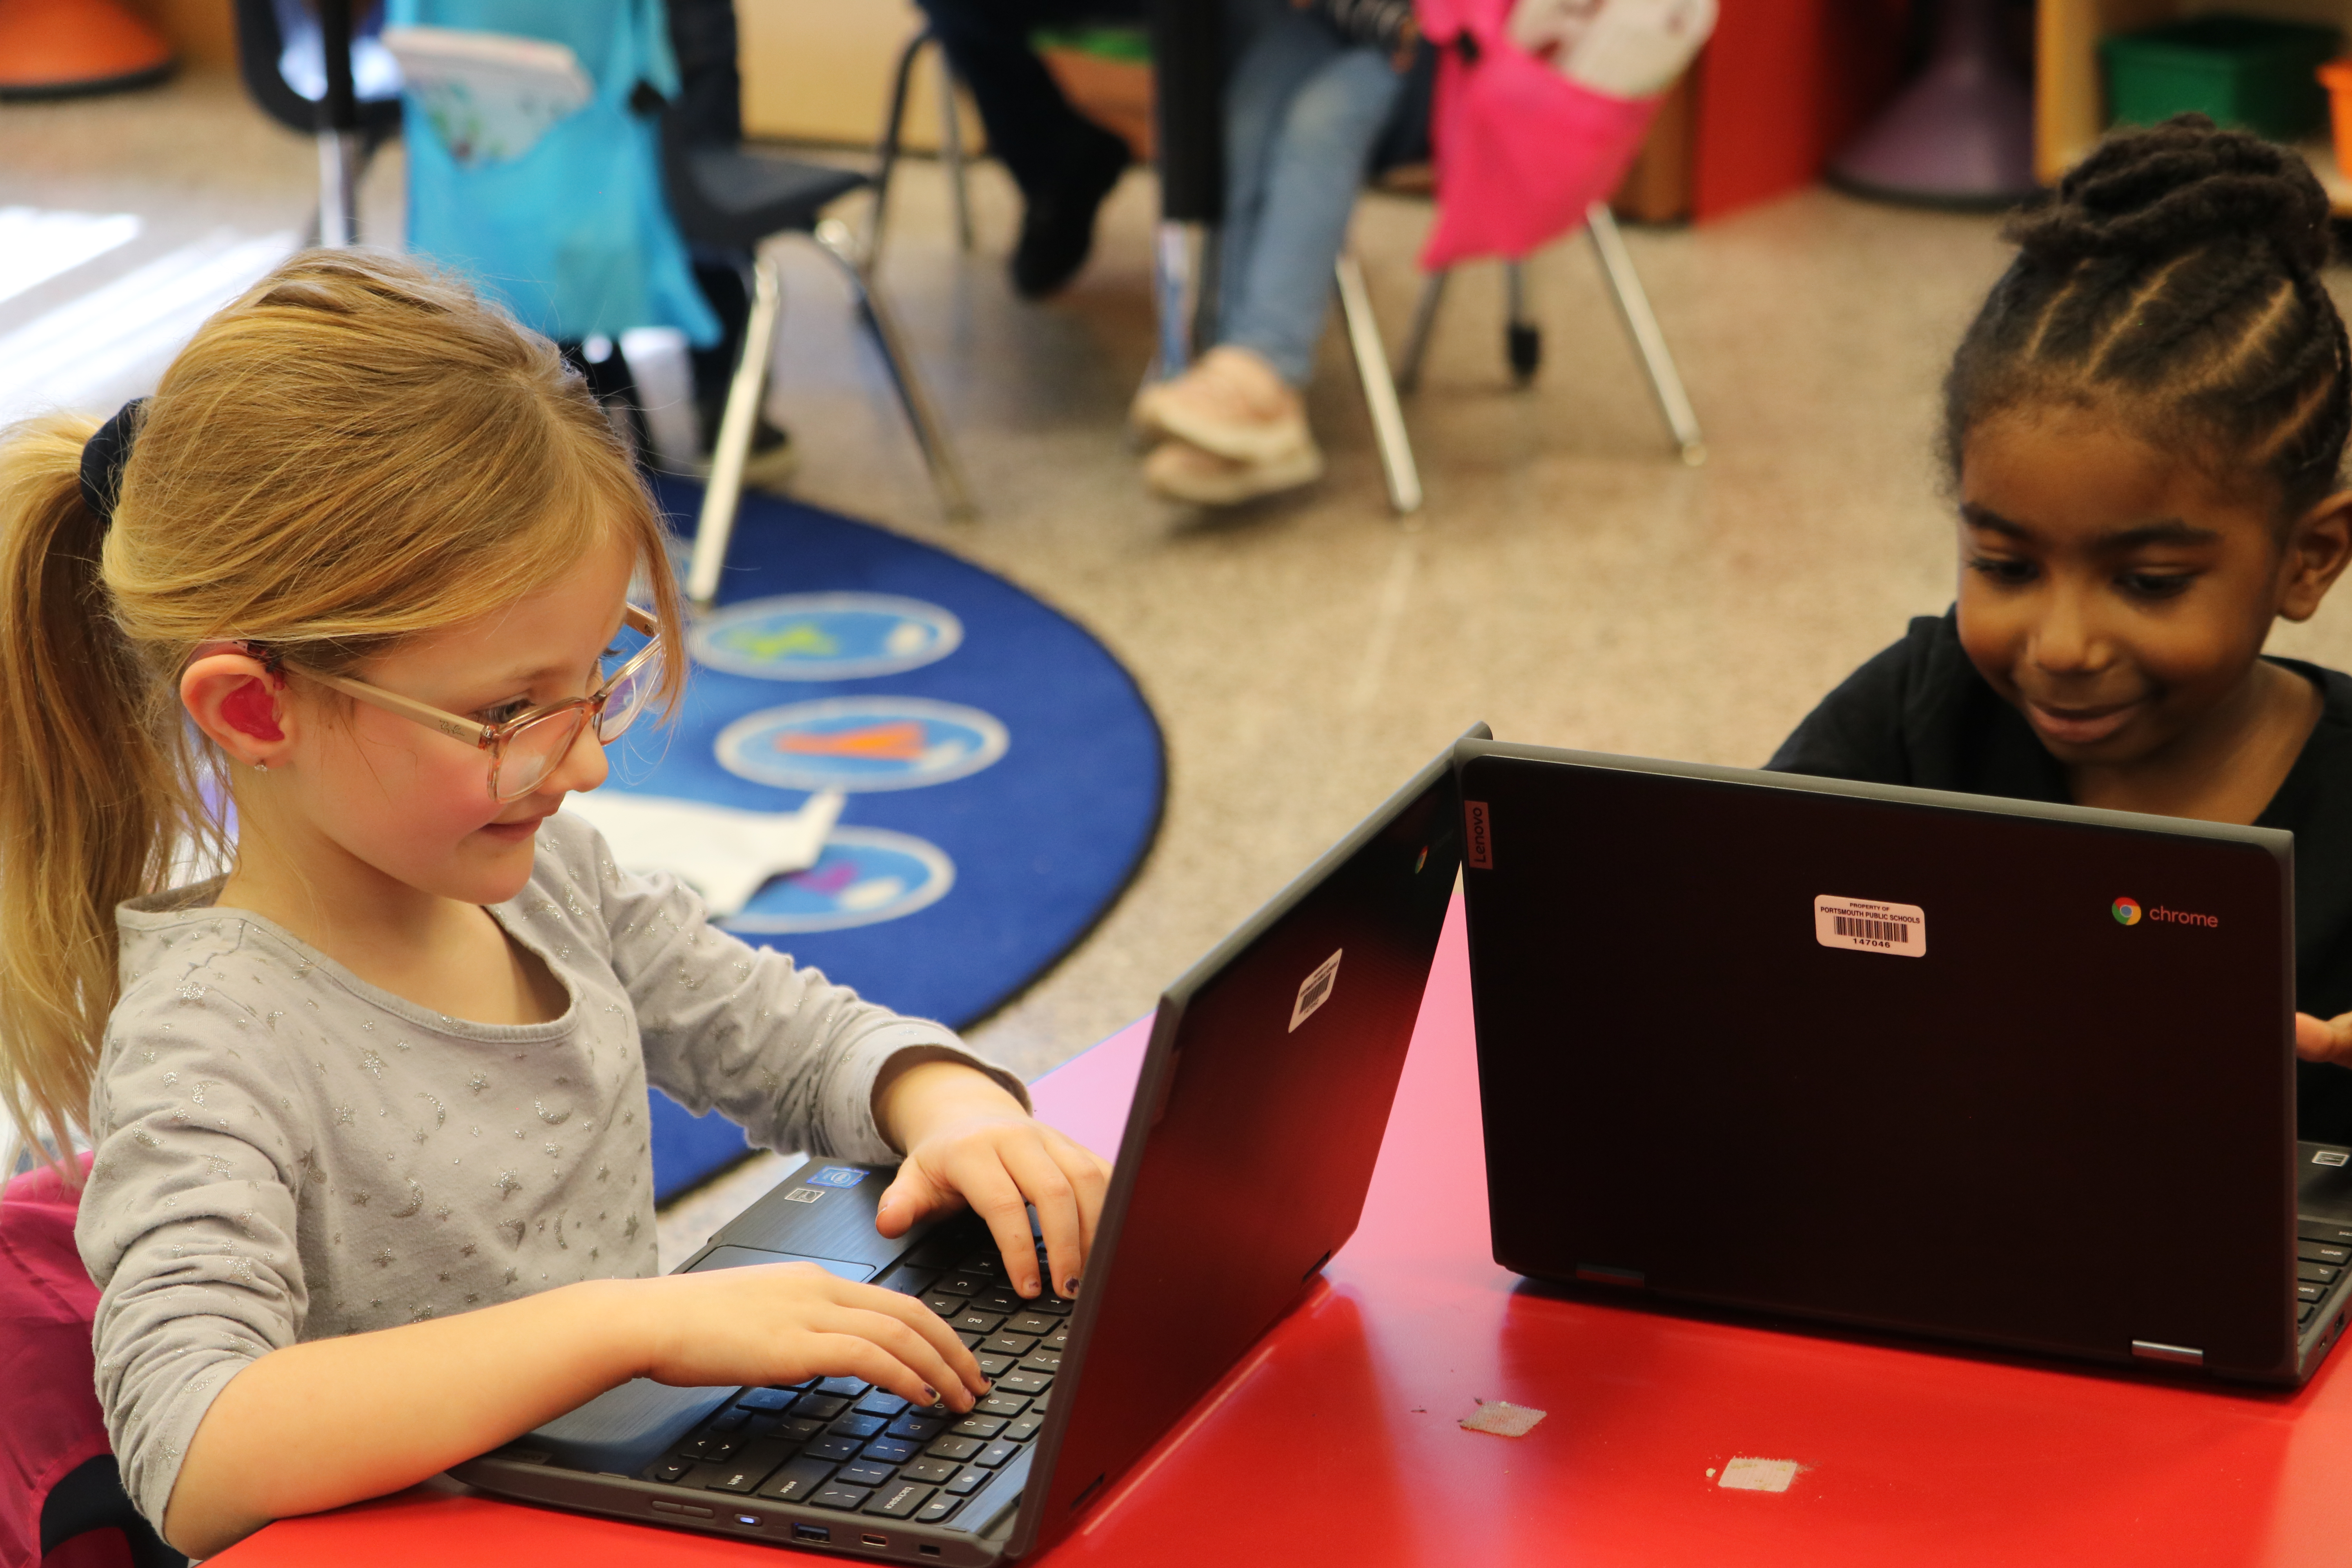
1988	1070
1250	1144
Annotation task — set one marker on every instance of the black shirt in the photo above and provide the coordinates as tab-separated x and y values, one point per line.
1920	714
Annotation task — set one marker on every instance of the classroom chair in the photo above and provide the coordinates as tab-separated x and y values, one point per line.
349	127
1523	342
61	1498
894	128
732	198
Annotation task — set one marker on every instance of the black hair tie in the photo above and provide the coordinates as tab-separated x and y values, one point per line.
102	457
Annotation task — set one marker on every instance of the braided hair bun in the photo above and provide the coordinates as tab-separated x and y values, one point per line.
2170	188
2174	277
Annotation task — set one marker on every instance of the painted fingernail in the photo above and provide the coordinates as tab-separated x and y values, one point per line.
930	1395
1070	1286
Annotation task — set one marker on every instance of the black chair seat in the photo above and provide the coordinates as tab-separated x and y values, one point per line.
732	198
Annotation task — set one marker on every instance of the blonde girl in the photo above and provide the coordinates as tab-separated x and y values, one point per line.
368	1110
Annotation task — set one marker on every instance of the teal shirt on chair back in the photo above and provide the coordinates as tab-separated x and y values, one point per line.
574	237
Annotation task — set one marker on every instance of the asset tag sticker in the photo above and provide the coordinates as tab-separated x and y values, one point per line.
2330	1157
803	1196
1867	926
1316	990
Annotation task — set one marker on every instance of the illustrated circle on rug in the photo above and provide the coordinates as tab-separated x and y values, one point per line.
858	744
827	636
866	876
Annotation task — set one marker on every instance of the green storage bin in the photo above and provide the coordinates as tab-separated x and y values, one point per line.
2242	70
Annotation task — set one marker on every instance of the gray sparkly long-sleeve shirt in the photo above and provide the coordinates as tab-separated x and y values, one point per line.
286	1152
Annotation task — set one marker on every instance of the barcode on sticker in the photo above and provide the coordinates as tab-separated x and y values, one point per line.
1865	925
1877	930
1316	990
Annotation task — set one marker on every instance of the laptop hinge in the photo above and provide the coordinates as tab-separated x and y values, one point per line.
1604	1274
2178	1355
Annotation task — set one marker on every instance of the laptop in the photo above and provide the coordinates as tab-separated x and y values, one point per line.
1247	1152
1988	1070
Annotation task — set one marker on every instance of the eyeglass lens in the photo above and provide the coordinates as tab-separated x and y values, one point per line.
535	750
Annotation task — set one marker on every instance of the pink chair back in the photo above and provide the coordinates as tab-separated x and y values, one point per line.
1520	151
49	1418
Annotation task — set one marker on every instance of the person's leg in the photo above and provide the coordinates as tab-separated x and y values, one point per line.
1281	289
1064	162
1283	50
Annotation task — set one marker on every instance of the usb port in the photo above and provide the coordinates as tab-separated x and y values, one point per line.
875	1539
811	1532
927	1550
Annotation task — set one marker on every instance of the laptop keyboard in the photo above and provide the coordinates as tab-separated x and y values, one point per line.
839	1443
2323	1250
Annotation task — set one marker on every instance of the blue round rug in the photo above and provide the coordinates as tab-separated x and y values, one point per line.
1000	775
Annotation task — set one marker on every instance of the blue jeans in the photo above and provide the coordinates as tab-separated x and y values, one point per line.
1302	113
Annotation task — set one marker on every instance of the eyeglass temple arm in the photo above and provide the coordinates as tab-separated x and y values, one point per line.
423	713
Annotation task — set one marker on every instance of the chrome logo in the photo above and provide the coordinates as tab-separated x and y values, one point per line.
2126	910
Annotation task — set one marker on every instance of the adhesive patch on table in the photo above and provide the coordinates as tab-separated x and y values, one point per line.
946	895
861	743
827	636
1759	1475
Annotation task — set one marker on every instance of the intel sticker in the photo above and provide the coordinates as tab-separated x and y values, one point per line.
837	1176
1869	927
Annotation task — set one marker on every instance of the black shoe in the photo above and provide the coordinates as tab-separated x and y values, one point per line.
1059	228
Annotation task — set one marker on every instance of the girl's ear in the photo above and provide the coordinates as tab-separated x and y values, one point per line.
2318	548
236	701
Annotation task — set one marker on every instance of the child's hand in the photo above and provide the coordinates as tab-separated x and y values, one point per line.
967	1139
2330	1041
786	1322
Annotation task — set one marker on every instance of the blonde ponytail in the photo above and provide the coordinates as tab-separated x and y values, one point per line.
93	786
356	452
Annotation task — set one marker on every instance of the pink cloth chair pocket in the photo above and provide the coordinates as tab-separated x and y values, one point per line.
49	1418
1521	151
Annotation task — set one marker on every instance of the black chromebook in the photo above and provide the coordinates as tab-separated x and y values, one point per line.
1250	1144
1983	1069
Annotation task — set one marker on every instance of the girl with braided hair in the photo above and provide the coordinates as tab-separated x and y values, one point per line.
2144	424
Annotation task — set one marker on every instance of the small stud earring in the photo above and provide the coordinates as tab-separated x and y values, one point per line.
261	767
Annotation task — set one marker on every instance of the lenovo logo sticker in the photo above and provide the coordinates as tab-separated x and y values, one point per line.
1482	843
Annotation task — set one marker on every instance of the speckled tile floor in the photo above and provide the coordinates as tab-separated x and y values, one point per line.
1567	581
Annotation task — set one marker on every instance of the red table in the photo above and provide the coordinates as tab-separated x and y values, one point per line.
1338	1436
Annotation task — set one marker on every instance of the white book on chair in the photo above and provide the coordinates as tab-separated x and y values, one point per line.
489	96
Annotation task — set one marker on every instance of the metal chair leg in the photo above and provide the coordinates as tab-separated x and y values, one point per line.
1416	342
1634	304
886	152
725	492
1175	279
1522	339
832	237
951	152
1380	391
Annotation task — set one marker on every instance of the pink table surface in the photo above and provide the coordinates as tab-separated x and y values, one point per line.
1338	1436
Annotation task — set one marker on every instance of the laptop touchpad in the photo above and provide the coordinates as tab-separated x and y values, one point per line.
746	1257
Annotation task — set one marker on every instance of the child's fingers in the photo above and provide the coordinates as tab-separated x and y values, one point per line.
961	1386
989	1188
1089	1173
914	1196
1045	1185
2327	1041
929	1326
847	1352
